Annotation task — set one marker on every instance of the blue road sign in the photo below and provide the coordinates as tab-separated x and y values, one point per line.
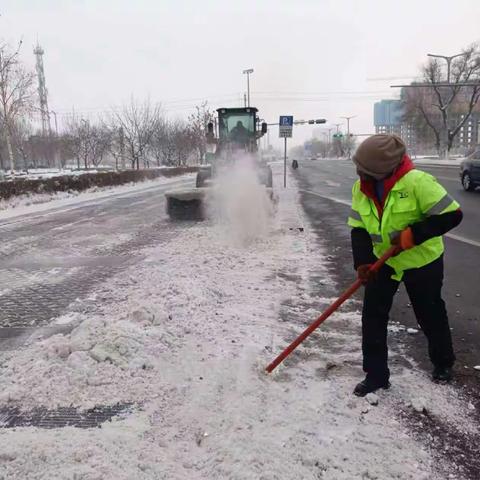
286	120
286	126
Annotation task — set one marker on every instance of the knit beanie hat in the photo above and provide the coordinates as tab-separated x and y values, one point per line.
379	155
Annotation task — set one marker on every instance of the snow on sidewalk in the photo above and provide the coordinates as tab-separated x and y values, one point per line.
186	337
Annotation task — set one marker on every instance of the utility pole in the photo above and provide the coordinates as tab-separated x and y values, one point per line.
56	124
248	72
335	144
330	136
56	154
348	132
245	100
348	122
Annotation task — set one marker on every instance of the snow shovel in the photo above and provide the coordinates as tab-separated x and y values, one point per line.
332	308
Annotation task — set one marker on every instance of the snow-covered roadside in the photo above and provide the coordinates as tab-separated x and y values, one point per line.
187	335
41	202
438	162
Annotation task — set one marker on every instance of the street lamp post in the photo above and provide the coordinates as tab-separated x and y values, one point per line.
337	125
448	59
56	124
56	156
348	122
248	72
348	132
330	136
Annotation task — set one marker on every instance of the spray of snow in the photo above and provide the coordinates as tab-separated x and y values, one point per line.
240	204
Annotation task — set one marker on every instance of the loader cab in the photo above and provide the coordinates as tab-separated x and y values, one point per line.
237	126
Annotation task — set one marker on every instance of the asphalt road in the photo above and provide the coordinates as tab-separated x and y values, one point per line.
52	261
326	193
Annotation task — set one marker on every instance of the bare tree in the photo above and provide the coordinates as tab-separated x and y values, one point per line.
425	123
100	141
89	142
183	140
161	145
16	92
446	109
139	121
198	122
116	145
65	148
20	135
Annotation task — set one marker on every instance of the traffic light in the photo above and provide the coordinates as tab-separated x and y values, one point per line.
320	120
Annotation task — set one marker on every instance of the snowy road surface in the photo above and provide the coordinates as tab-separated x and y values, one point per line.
180	328
53	253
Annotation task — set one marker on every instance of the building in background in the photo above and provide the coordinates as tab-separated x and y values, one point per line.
387	116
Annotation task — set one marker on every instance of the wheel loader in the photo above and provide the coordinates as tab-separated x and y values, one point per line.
239	130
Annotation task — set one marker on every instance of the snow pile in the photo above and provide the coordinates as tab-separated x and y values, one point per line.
120	451
240	203
186	335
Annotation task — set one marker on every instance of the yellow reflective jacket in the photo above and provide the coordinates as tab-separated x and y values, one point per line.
413	197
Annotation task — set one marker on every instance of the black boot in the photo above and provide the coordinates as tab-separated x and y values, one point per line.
369	385
442	374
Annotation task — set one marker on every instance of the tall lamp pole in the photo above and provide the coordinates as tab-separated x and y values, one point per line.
56	156
348	122
348	132
247	73
448	60
56	124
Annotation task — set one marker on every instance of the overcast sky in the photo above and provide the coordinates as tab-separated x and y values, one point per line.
312	58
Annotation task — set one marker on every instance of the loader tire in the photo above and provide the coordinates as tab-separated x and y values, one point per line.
184	209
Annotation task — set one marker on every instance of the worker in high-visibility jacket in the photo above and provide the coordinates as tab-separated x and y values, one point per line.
395	204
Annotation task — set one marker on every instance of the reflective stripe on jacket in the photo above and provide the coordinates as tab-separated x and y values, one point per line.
415	196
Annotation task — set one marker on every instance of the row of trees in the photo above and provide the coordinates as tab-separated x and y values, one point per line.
138	135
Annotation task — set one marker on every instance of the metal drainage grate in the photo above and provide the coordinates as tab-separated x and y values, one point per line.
11	417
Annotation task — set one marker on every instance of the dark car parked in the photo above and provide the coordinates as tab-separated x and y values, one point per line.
470	171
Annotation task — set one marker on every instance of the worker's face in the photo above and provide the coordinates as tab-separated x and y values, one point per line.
364	176
368	178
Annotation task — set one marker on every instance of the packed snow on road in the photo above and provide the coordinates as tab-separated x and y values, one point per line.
182	340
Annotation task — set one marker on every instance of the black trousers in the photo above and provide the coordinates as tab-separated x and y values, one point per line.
424	287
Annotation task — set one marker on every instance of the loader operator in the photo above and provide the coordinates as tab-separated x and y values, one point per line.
239	135
393	203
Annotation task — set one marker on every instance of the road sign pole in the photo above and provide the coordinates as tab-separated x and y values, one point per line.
285	131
